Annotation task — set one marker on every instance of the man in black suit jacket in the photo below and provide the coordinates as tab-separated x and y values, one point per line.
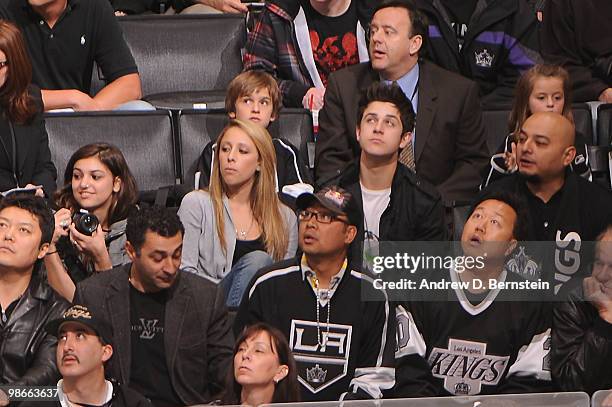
171	334
450	148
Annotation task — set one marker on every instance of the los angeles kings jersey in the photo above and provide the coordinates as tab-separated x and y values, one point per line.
455	347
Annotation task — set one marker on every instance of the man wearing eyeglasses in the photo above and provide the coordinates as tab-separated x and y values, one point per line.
343	346
582	328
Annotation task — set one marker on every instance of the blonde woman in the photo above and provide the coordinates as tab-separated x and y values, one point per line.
239	225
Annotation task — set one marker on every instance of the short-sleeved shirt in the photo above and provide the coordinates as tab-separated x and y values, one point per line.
63	56
333	39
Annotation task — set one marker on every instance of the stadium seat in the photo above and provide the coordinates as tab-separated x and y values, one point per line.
145	138
496	124
604	125
182	54
583	121
198	127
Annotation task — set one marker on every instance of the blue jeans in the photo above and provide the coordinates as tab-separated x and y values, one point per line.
241	274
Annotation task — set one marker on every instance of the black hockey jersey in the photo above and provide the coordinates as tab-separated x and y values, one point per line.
457	348
355	360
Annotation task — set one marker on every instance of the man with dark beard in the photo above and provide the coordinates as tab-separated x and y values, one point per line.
564	207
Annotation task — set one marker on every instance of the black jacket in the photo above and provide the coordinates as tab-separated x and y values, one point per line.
34	165
27	351
581	346
576	35
197	336
501	43
415	211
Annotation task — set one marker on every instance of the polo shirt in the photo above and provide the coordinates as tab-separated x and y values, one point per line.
63	56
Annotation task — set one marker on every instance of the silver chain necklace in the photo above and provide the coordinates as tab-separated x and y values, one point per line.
243	233
322	343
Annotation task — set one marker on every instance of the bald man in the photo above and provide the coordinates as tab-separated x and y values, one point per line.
564	207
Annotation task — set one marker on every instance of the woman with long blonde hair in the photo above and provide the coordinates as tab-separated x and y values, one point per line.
238	225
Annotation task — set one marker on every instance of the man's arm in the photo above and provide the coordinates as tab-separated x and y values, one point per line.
412	372
220	341
43	370
333	149
226	6
471	152
121	90
375	368
530	372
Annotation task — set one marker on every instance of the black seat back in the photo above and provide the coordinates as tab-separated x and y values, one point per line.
183	52
145	138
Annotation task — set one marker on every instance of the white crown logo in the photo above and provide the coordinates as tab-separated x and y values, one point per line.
316	374
483	58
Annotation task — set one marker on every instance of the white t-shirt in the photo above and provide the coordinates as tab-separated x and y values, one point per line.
374	204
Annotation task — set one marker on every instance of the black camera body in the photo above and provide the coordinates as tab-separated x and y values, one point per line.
86	223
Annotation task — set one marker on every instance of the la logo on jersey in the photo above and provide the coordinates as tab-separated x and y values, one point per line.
465	366
320	366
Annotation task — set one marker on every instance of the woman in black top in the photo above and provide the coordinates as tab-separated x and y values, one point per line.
25	159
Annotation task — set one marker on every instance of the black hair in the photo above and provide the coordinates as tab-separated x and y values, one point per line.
381	92
38	207
418	21
520	230
157	219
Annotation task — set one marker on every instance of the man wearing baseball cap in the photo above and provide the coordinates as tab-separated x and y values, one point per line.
343	346
83	347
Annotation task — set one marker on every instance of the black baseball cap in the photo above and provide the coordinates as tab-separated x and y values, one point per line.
334	198
82	315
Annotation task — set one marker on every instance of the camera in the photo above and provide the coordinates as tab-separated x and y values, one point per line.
86	223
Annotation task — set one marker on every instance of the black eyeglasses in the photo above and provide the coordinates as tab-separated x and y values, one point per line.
321	217
3	64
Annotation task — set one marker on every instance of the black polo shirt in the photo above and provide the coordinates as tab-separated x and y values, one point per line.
63	56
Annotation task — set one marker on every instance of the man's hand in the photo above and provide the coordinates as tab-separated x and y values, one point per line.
39	191
599	293
317	95
606	96
82	101
510	158
4	400
227	6
607	401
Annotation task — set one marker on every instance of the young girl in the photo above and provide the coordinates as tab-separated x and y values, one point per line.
263	370
543	88
238	225
97	179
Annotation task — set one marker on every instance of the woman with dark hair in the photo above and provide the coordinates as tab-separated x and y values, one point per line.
543	88
25	159
263	370
98	181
